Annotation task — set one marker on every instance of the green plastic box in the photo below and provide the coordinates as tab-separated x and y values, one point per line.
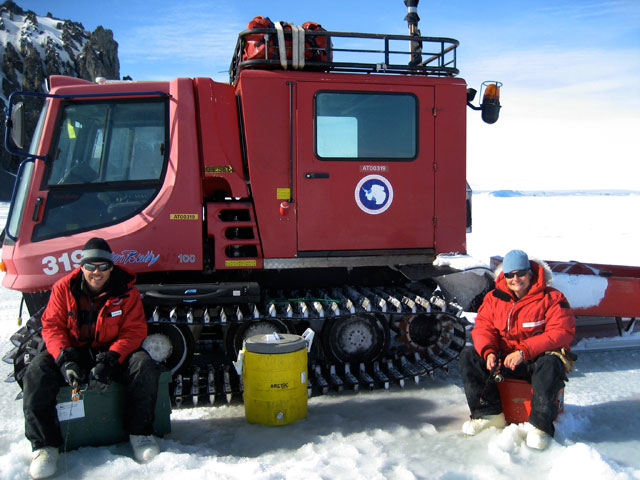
97	417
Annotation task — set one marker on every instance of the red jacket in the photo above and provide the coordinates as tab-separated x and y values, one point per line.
541	320
121	324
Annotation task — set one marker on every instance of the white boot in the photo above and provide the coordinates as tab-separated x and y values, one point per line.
476	425
145	447
536	438
43	462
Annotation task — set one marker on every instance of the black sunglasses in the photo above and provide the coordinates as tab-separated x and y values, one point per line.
90	267
518	273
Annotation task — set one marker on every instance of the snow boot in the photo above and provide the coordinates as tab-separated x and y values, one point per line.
145	447
536	438
43	462
476	425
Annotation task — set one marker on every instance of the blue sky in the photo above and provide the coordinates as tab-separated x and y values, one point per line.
571	69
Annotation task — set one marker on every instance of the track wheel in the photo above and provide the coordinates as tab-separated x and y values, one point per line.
238	332
169	344
420	331
359	338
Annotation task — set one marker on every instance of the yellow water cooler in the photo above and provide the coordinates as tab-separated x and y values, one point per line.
274	372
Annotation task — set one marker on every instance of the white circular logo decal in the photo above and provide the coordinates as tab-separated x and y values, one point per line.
374	194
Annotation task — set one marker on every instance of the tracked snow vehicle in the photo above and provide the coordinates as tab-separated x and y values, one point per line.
318	189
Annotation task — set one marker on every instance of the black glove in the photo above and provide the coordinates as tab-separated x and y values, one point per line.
67	361
106	367
72	373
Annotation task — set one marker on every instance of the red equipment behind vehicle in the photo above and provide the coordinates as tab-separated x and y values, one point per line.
285	200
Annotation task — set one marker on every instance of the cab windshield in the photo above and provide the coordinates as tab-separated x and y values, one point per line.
106	164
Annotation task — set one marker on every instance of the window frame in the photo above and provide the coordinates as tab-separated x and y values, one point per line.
131	187
367	158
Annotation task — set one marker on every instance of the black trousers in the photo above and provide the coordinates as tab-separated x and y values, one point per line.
42	382
545	373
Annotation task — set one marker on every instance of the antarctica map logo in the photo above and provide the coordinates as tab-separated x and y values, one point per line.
374	194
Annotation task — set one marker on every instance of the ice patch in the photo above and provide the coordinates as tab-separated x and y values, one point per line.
582	291
460	262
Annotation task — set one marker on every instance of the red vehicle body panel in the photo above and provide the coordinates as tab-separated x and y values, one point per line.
219	132
329	217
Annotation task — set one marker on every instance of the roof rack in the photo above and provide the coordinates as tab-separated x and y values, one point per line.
348	52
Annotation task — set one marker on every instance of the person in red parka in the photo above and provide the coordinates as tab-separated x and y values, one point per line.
93	328
517	327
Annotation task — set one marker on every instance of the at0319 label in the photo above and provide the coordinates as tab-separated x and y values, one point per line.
183	216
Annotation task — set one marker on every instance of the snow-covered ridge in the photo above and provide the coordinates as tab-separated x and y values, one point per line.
34	47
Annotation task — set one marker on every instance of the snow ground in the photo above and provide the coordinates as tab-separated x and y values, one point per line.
412	433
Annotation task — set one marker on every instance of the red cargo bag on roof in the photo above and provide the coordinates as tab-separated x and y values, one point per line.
317	47
261	46
255	44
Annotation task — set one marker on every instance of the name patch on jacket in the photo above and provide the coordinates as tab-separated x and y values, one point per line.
115	313
533	324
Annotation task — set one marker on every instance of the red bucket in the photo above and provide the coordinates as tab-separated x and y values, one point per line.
516	399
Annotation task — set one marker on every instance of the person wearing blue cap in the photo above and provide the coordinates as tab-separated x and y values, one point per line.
522	330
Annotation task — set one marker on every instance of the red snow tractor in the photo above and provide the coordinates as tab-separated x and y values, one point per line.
316	190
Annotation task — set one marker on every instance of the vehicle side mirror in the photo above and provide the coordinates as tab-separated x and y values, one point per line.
17	125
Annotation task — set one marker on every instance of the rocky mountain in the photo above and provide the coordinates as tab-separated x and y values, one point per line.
32	47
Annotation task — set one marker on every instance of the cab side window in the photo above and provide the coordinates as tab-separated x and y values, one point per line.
371	125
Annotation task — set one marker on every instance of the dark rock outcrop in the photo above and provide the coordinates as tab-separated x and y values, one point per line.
99	56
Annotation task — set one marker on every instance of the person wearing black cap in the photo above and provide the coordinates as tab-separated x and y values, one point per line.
93	328
520	330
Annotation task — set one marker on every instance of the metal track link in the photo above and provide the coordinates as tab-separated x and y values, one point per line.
299	305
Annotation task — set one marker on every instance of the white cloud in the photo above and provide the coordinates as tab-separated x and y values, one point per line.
580	10
200	35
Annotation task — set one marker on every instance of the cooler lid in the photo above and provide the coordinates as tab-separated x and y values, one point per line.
272	343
